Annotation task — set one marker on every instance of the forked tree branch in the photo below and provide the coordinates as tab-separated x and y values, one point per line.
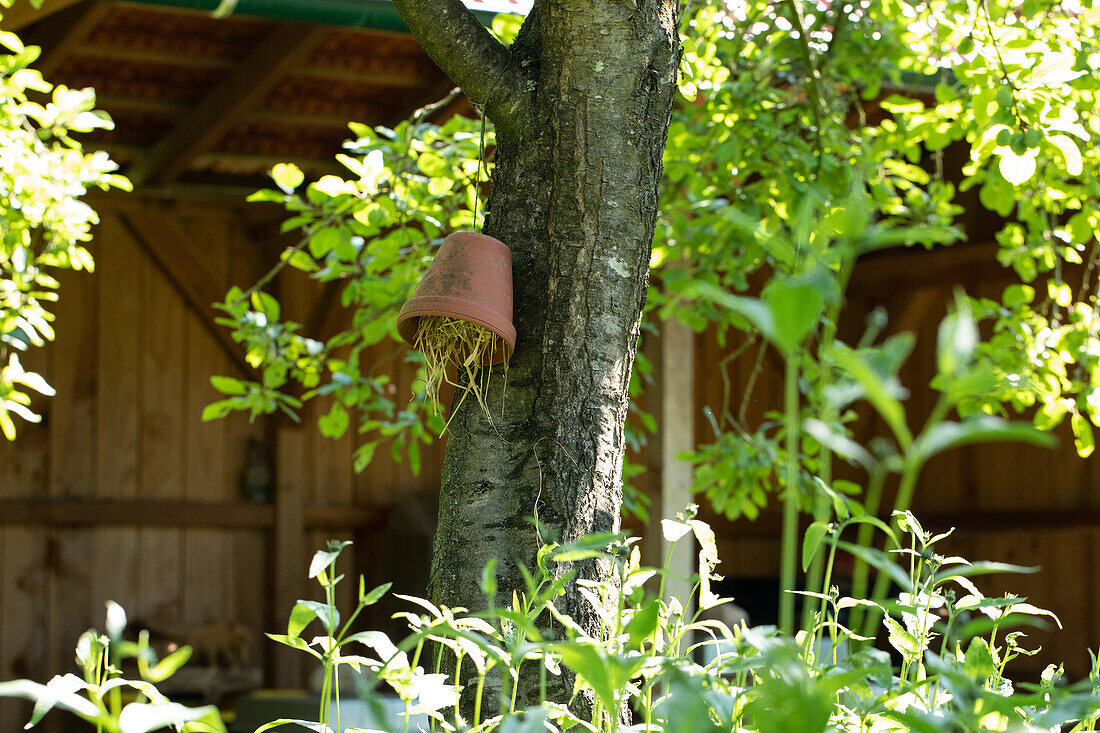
469	55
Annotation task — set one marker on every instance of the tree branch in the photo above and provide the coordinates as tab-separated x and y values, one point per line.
469	55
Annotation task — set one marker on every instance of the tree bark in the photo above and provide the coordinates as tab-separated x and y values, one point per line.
581	102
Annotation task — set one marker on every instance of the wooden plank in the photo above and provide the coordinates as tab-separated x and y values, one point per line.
60	37
332	463
879	273
74	442
162	411
121	313
22	639
113	555
144	55
250	589
133	513
244	87
251	592
73	414
162	237
205	551
367	77
77	513
24	463
68	566
289	555
676	435
22	13
114	572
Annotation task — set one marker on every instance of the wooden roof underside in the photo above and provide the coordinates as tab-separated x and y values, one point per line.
199	100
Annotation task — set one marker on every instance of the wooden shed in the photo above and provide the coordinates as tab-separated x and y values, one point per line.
122	492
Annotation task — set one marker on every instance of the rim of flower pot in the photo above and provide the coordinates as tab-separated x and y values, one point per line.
462	309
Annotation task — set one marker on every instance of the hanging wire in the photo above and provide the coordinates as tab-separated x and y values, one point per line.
480	163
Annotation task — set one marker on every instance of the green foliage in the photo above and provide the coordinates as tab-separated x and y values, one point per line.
328	648
783	165
43	174
374	233
679	669
97	695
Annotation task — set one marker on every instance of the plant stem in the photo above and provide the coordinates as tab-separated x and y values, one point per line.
864	538
790	504
515	688
906	487
822	505
882	580
477	699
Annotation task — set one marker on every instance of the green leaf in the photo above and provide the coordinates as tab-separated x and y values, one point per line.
978	663
168	666
265	303
1082	435
898	104
431	164
138	717
1018	294
217	410
488	581
839	444
323	559
376	594
293	642
874	388
1017	169
593	545
906	644
364	454
61	692
329	616
335	423
984	567
1028	609
590	664
309	725
753	310
228	385
878	524
811	541
643	623
287	176
980	429
957	340
795	305
327	240
1070	153
300	617
11	41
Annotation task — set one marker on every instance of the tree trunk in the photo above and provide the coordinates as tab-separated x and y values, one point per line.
581	104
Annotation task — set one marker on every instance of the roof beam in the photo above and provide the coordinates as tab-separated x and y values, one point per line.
22	13
60	37
244	87
161	237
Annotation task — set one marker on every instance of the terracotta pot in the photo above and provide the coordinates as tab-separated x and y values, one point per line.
469	279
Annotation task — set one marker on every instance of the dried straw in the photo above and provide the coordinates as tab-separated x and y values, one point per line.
446	341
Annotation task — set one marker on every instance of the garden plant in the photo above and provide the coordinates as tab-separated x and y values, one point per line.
807	136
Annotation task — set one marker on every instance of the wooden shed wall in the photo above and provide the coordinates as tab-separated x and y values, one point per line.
123	493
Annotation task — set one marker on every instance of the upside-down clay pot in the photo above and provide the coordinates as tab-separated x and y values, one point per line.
469	279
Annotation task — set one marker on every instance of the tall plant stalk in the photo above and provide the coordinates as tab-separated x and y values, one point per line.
790	504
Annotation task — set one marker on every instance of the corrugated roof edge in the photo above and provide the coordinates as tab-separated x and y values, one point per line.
376	14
